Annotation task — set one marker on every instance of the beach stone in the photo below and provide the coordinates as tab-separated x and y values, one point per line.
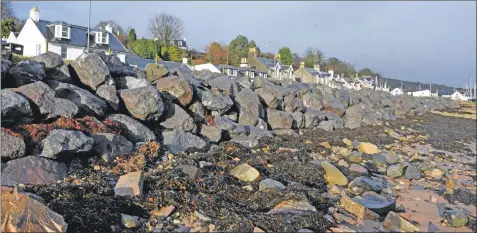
270	183
358	169
286	132
249	107
436	173
109	146
24	212
179	141
15	107
245	140
176	118
279	120
91	70
379	160
156	71
412	173
395	171
212	133
129	221
391	158
455	218
12	146
292	207
333	175
132	129
451	184
188	170
357	209
377	203
26	72
143	103
245	172
129	184
342	163
347	142
363	184
108	94
355	157
33	170
178	87
62	142
368	148
396	223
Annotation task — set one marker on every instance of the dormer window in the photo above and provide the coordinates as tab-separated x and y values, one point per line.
172	42
62	31
102	38
179	43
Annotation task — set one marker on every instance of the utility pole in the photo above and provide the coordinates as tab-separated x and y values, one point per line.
89	25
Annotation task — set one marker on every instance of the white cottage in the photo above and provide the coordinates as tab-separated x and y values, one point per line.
397	91
459	96
70	41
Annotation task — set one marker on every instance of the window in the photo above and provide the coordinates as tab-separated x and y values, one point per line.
64	51
62	31
179	43
102	38
172	42
234	72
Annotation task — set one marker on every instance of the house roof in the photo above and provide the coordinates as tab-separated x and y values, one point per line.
224	66
443	92
133	59
268	62
78	36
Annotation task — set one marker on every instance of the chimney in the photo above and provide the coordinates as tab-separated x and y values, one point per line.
316	67
243	62
252	52
184	60
35	14
302	64
109	28
184	39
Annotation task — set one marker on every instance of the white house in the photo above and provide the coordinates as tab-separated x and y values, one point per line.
397	91
458	96
423	93
207	66
70	41
12	37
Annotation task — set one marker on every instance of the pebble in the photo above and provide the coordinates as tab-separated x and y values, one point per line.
396	223
245	172
270	183
129	184
455	218
368	148
343	163
333	175
129	221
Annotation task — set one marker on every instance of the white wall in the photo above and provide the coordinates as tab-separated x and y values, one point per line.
29	37
71	52
11	38
207	66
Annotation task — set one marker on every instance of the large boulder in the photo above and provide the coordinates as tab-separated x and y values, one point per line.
224	83
55	68
354	115
49	60
91	70
333	104
109	146
27	72
249	107
177	118
279	120
178	87
132	129
87	102
214	100
143	103
108	94
155	71
225	123
299	118
211	133
33	170
15	107
292	104
179	141
62	142
131	82
5	67
270	97
25	212
312	100
197	111
13	145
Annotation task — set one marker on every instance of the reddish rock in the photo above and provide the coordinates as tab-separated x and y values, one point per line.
176	86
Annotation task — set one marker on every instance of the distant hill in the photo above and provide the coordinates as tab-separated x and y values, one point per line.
409	86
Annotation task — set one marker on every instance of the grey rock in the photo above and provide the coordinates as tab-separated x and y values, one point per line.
178	87
249	107
12	146
5	67
354	115
33	170
279	120
270	183
214	101
377	203
286	132
143	103
211	133
26	72
362	184
292	104
246	141
188	170
391	158
198	111
455	218
91	70
242	81
230	126
231	115
262	124
62	142
312	118
379	160
108	94
412	173
15	107
61	74
225	83
109	146
269	98
358	169
177	118
299	119
179	141
48	60
132	129
395	171
355	157
41	95
64	107
312	100
257	132
86	102
334	105
130	82
329	126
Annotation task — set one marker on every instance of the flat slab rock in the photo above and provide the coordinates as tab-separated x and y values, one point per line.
245	172
34	170
179	141
23	212
65	142
132	129
129	184
293	207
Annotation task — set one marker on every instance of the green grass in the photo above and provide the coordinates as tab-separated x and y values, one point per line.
17	58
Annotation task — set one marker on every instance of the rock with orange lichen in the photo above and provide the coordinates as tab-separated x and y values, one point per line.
13	145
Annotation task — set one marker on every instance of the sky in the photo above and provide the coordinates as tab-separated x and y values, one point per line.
425	41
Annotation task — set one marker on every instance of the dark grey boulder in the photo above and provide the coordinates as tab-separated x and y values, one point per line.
225	83
85	100
41	95
362	184
15	107
245	140
26	72
109	146
329	126
354	115
62	142
5	67
198	111
91	70
312	100
131	82
279	120
214	101
412	173
299	118
49	60
176	118
33	170
132	129
249	107
143	103
377	203
12	146
108	94
179	141
211	133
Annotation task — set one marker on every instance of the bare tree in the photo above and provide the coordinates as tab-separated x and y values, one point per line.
117	29
7	11
166	27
